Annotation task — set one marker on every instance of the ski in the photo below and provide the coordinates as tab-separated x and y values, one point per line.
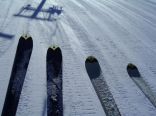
101	87
21	61
54	82
139	81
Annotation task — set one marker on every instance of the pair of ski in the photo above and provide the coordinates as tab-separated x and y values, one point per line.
54	78
102	90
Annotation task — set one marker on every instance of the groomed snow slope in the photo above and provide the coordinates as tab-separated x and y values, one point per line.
116	32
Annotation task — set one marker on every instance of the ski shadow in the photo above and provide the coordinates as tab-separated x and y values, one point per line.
6	36
44	112
49	14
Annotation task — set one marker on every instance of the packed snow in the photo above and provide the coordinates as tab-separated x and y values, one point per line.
115	32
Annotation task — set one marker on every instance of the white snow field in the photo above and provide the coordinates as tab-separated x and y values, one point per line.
116	32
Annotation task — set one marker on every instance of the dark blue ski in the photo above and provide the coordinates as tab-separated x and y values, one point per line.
106	98
21	61
54	82
140	82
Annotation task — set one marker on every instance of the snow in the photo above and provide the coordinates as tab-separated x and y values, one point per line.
116	32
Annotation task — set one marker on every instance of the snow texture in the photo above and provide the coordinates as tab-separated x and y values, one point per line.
116	32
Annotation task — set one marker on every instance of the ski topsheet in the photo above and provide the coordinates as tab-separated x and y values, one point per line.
54	82
21	61
101	87
139	81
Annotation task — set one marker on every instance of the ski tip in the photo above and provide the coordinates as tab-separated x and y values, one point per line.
131	66
26	36
54	47
133	70
91	59
92	67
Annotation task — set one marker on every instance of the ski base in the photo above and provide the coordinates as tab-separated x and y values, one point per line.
54	82
101	87
23	53
139	81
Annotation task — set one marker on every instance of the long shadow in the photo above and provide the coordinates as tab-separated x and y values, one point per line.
39	8
7	36
50	12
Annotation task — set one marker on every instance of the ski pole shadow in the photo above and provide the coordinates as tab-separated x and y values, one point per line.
6	41
6	36
48	13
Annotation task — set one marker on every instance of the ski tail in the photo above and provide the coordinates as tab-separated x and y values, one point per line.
141	83
101	87
21	61
54	82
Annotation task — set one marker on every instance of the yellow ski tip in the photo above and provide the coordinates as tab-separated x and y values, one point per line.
26	36
131	66
91	59
54	47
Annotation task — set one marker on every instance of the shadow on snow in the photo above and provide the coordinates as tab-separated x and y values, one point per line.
50	12
6	36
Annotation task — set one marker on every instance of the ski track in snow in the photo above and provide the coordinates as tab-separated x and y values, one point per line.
115	32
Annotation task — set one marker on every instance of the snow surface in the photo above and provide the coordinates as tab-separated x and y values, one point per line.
116	32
